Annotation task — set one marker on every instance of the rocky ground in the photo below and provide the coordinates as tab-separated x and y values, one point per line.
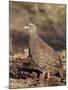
23	74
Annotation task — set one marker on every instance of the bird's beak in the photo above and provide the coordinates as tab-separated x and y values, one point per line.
26	28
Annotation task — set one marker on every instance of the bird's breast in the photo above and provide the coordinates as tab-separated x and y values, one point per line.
42	54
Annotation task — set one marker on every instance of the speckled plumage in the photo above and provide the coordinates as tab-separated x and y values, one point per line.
44	56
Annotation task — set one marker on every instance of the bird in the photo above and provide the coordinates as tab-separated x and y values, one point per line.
43	55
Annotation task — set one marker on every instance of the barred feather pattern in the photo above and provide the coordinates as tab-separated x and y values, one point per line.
43	55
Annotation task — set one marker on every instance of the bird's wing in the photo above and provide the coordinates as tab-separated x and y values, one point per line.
42	54
48	54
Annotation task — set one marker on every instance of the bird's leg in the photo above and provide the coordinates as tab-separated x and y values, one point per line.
48	75
43	75
42	79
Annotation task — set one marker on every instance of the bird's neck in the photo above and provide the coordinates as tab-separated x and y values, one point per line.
34	35
34	40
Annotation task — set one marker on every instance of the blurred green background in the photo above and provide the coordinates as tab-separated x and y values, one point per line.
50	20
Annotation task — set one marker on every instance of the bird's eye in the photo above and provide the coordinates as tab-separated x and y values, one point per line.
29	24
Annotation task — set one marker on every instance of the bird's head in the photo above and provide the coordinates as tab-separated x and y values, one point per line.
31	28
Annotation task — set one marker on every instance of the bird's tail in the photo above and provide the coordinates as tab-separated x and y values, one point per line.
61	72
